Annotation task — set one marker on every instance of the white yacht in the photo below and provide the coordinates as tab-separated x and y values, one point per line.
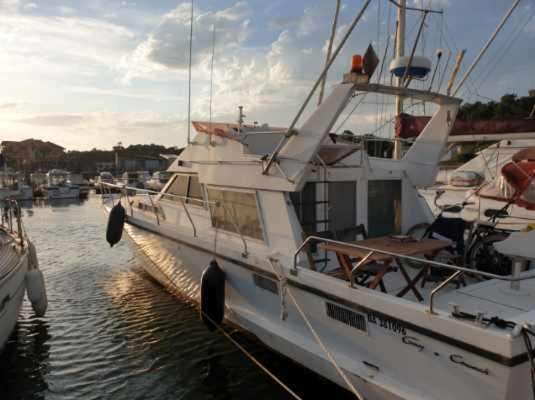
500	176
158	180
59	187
19	272
244	199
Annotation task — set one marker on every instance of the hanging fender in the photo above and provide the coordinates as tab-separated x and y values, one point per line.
114	230
212	296
35	283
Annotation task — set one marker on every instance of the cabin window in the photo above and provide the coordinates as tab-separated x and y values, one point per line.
177	187
194	191
235	211
384	207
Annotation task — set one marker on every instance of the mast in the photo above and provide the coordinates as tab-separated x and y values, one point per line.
189	71
400	52
330	48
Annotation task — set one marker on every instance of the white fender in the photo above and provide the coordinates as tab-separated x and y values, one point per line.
35	283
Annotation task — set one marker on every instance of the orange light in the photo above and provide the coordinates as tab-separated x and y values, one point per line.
356	64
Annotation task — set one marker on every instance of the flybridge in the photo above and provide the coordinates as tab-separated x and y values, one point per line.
219	160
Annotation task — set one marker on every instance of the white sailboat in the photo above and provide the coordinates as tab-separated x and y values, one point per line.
19	271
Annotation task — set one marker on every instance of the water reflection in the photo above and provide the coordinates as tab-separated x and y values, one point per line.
111	332
29	350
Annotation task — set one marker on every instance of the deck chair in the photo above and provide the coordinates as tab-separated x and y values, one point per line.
452	229
367	273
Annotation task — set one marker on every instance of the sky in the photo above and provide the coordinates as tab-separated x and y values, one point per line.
88	74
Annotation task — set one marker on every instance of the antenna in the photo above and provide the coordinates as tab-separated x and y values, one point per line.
189	72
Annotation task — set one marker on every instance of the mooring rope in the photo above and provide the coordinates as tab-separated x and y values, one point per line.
316	336
253	359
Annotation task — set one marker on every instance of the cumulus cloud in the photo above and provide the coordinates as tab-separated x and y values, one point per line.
167	47
9	5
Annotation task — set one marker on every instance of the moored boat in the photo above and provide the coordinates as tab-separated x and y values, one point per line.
19	272
59	187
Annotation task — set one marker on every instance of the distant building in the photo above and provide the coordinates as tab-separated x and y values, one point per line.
105	166
33	154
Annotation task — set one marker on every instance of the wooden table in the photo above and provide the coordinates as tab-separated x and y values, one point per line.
428	247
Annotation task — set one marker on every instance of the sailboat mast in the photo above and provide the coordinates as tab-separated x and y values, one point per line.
189	72
400	52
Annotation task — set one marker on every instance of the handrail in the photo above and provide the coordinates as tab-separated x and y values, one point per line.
10	212
181	199
431	263
154	210
189	217
459	271
450	278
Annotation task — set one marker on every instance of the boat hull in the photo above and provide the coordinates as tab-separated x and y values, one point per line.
55	193
378	374
13	268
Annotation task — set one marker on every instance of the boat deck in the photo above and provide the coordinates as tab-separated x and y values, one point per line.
492	297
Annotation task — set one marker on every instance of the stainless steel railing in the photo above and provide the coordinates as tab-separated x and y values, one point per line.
458	271
11	219
182	200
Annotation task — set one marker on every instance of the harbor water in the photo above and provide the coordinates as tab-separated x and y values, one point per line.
111	332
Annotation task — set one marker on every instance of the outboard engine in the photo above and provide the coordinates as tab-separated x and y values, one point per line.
116	219
213	296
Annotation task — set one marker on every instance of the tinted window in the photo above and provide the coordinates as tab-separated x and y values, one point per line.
235	212
178	187
194	191
304	203
384	207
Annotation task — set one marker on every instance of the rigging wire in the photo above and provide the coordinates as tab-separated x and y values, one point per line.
352	110
212	78
486	46
506	47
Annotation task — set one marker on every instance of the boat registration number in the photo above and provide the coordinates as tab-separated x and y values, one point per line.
387	323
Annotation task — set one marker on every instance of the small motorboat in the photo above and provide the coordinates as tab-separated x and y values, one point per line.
19	271
59	187
81	182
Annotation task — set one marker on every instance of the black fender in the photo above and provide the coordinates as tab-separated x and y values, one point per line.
213	296
114	230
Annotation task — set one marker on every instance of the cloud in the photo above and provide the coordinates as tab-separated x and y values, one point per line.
103	128
431	4
52	120
8	106
167	47
9	6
